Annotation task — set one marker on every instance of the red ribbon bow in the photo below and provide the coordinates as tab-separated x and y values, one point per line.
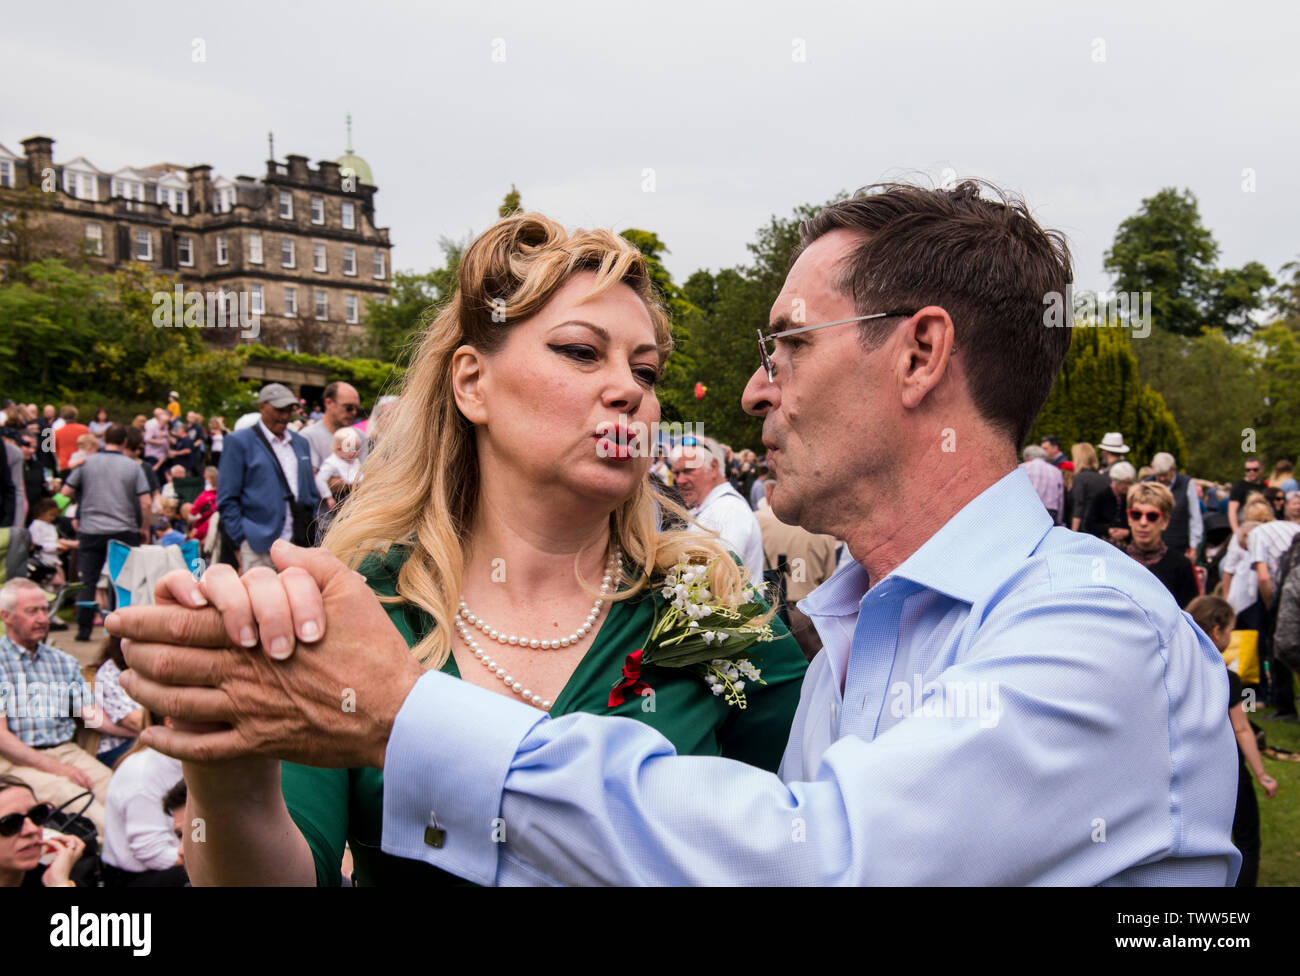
631	683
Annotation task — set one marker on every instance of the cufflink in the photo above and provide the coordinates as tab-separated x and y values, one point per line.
433	834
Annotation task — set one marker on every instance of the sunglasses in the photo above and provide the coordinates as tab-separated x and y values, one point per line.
1135	516
349	407
12	823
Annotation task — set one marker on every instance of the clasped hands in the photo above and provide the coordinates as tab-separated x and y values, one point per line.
302	665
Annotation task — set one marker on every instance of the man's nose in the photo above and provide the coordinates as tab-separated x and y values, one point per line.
760	394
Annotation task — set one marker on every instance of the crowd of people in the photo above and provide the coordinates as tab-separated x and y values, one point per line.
149	485
1224	551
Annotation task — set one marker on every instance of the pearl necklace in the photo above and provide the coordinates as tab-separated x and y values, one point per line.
501	637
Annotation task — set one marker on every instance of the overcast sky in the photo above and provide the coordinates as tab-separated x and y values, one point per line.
1084	113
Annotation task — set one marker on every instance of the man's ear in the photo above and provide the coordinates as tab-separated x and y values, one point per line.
467	383
929	344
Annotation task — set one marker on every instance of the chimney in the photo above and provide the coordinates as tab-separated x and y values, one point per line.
39	151
329	173
200	188
297	168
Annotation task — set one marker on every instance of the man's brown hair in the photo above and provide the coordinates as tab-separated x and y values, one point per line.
986	262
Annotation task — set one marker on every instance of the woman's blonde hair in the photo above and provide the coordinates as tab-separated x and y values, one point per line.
420	485
1151	493
1257	509
1083	456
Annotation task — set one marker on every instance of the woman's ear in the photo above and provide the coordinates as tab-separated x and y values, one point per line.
467	383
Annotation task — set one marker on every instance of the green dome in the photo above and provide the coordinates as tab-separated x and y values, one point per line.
358	166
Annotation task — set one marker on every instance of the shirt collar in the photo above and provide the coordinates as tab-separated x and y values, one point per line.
12	647
966	559
271	437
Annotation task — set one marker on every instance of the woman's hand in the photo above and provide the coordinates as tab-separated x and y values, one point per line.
332	704
68	850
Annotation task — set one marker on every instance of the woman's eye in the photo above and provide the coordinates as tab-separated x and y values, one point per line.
648	375
581	353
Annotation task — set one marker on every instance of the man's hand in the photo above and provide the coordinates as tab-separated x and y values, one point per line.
74	774
329	703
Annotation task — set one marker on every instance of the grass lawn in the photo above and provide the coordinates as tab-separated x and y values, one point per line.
1279	818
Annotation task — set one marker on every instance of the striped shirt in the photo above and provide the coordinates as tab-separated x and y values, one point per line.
1267	542
41	694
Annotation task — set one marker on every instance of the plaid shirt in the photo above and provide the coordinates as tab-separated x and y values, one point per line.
1049	484
41	695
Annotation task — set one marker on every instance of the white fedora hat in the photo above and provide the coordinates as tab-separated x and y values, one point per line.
1113	443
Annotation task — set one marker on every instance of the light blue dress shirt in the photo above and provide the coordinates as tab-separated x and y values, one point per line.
1014	704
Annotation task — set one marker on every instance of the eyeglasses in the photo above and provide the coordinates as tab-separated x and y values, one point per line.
12	823
349	407
763	340
1135	516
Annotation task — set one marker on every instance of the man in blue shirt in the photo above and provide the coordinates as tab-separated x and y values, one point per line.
998	701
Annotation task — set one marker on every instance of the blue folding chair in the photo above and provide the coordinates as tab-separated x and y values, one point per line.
118	551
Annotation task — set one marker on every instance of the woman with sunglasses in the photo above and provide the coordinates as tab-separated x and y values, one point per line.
1149	506
23	843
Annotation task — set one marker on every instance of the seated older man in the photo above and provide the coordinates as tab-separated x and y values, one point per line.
41	690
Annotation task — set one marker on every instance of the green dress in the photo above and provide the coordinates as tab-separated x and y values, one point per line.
334	806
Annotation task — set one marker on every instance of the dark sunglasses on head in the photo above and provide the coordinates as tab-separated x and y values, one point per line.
12	823
1135	516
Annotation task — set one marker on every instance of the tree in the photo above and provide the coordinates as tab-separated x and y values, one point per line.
414	299
1164	249
82	335
732	306
510	204
674	394
1099	390
1279	369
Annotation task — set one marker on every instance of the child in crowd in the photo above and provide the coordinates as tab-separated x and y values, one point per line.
87	444
45	539
339	472
200	515
1215	616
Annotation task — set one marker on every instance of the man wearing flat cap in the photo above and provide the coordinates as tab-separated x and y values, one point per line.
265	471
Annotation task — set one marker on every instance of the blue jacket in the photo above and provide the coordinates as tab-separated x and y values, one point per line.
249	496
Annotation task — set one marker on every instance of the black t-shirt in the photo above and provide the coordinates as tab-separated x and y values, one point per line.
1243	488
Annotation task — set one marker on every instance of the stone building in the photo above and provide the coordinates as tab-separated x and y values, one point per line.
299	246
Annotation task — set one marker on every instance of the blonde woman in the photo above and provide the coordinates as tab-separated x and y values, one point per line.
512	537
1149	506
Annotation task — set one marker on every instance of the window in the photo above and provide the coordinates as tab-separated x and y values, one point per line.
255	300
83	186
322	305
317	210
350	308
255	248
7	219
223	250
286	253
7	174
143	246
349	260
286	205
290	300
379	264
185	251
177	201
318	257
95	239
349	215
226	199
